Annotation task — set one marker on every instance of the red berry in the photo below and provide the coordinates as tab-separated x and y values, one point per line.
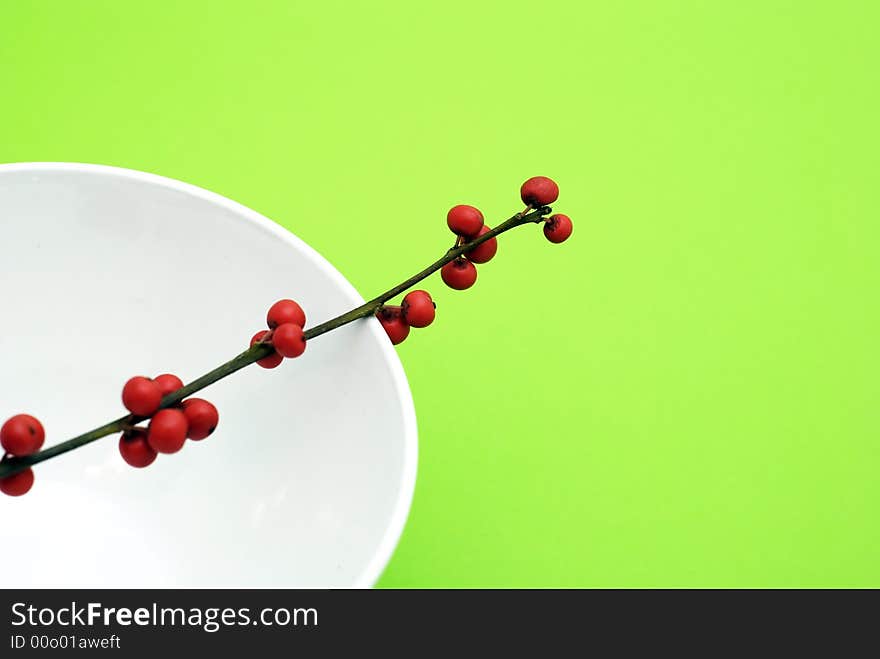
17	484
22	435
484	252
459	274
135	449
167	431
418	309
539	191
168	383
288	340
273	359
464	220
201	416
141	396
557	228
285	311
392	321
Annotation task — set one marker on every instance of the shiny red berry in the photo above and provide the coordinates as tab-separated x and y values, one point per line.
273	359
418	309
464	220
17	484
168	383
557	228
141	396
459	274
285	311
201	416
484	252
135	449
22	435
288	340
167	431
539	191
393	323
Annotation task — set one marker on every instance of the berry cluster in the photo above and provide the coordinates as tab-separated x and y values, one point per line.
286	320
466	222
20	436
169	428
416	310
541	191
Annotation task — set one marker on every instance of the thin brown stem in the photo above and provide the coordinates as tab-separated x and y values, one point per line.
11	465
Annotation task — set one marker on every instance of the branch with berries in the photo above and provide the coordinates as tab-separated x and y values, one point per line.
166	406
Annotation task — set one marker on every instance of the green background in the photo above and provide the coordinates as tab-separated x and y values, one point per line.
685	393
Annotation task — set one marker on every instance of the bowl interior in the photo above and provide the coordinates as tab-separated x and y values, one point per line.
109	273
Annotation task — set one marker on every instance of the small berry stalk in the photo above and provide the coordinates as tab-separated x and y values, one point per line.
166	405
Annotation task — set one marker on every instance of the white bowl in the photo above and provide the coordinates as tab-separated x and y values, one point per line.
107	273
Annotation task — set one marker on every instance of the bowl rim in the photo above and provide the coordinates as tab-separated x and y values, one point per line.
400	511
